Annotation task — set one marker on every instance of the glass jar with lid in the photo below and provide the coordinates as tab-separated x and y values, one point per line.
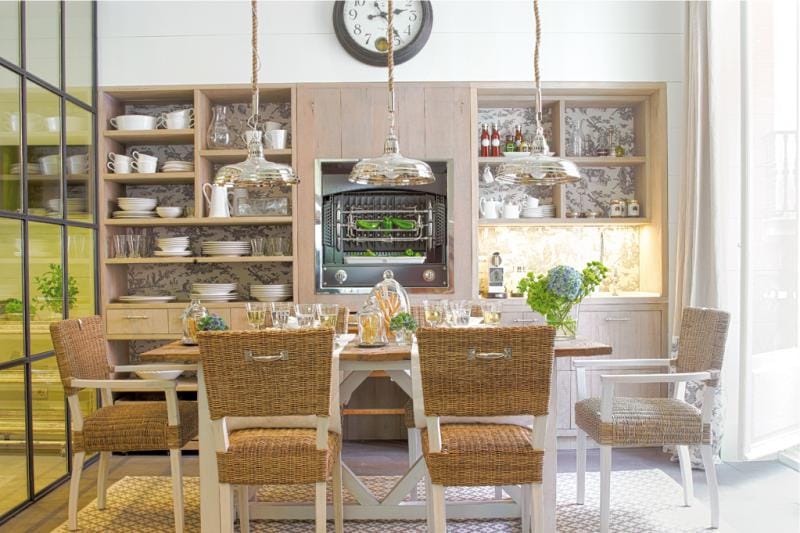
191	317
371	327
390	298
633	208
617	209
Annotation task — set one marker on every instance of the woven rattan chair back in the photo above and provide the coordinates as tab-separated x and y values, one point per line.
418	312
701	345
267	372
343	320
486	371
80	346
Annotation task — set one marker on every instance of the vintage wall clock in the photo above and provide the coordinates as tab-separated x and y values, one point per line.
360	26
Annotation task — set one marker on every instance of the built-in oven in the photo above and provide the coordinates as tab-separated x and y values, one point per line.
363	231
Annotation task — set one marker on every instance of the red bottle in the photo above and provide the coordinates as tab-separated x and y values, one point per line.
495	151
485	141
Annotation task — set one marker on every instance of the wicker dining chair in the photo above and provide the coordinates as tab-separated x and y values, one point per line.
636	422
80	347
485	372
272	373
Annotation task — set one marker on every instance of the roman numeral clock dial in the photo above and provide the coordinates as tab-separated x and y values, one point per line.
360	26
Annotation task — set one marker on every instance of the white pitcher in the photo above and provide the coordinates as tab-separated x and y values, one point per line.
217	202
489	208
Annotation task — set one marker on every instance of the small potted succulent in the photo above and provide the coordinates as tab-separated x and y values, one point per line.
556	295
403	325
13	309
212	322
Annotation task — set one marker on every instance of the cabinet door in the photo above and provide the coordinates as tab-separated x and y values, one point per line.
319	123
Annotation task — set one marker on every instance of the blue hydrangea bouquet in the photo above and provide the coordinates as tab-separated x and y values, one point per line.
555	294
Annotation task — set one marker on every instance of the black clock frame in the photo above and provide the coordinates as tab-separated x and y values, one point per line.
378	59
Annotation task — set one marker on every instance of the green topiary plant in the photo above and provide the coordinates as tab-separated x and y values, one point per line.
403	322
51	288
13	306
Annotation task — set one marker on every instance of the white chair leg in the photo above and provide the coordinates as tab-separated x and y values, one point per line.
686	475
244	508
580	465
711	481
320	506
177	488
226	507
338	504
414	453
439	516
498	493
102	479
605	488
525	507
537	508
74	490
429	501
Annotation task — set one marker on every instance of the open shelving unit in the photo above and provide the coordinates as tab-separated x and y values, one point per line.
183	189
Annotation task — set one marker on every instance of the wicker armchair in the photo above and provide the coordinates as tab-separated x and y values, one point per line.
488	372
634	422
80	347
272	373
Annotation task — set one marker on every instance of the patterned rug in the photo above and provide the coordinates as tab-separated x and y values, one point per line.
641	501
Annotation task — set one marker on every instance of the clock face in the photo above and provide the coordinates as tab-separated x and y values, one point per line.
361	27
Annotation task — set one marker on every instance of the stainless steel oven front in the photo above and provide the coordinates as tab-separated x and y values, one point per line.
363	231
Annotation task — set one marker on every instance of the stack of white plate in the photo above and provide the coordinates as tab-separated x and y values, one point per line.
214	292
136	208
271	293
173	247
33	168
221	248
143	299
543	211
174	165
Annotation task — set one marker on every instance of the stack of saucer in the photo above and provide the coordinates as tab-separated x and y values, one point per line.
33	168
225	248
174	165
542	211
271	293
173	247
214	292
136	208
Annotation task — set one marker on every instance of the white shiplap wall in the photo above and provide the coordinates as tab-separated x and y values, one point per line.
160	42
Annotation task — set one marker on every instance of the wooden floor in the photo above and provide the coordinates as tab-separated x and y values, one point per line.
754	497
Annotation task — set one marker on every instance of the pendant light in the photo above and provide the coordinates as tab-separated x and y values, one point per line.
541	167
391	169
255	171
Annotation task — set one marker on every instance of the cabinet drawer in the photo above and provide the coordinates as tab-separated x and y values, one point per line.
630	333
176	324
521	318
136	321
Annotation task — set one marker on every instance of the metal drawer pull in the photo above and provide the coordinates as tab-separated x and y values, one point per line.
613	319
283	355
136	317
524	320
473	353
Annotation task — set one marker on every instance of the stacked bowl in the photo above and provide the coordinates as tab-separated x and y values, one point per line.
271	293
136	208
225	248
214	292
173	247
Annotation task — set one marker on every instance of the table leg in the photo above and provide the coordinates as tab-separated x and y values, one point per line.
550	459
209	481
350	383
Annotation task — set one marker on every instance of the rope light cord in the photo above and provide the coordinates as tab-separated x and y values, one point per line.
390	62
538	40
252	121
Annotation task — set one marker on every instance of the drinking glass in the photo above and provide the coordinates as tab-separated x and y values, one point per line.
434	312
257	246
492	312
219	135
304	314
277	246
120	246
135	246
328	314
459	312
280	314
256	314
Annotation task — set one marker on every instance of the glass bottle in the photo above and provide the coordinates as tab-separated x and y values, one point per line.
371	326
495	141
518	139
485	141
576	140
190	318
509	146
219	135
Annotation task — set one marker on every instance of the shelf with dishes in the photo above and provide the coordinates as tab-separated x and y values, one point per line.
199	221
136	178
152	136
580	161
198	260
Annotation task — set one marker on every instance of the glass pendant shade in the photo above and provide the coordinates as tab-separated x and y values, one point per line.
392	168
255	171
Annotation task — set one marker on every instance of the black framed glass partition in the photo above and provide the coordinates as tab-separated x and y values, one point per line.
48	229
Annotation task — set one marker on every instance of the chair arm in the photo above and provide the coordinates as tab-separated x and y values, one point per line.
124	384
620	363
155	367
655	378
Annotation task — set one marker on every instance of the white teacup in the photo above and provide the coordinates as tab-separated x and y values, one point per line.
50	164
145	166
510	210
276	139
78	164
531	202
134	122
272	125
119	164
138	156
177	120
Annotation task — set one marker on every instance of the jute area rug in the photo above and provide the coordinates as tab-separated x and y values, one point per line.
641	501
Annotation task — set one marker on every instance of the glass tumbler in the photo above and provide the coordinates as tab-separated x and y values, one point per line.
256	314
280	314
492	312
328	315
257	246
435	312
305	315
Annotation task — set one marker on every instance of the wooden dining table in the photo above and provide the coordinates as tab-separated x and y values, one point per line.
355	365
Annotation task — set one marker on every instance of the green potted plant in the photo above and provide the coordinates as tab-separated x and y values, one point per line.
51	291
556	295
13	309
403	325
212	322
